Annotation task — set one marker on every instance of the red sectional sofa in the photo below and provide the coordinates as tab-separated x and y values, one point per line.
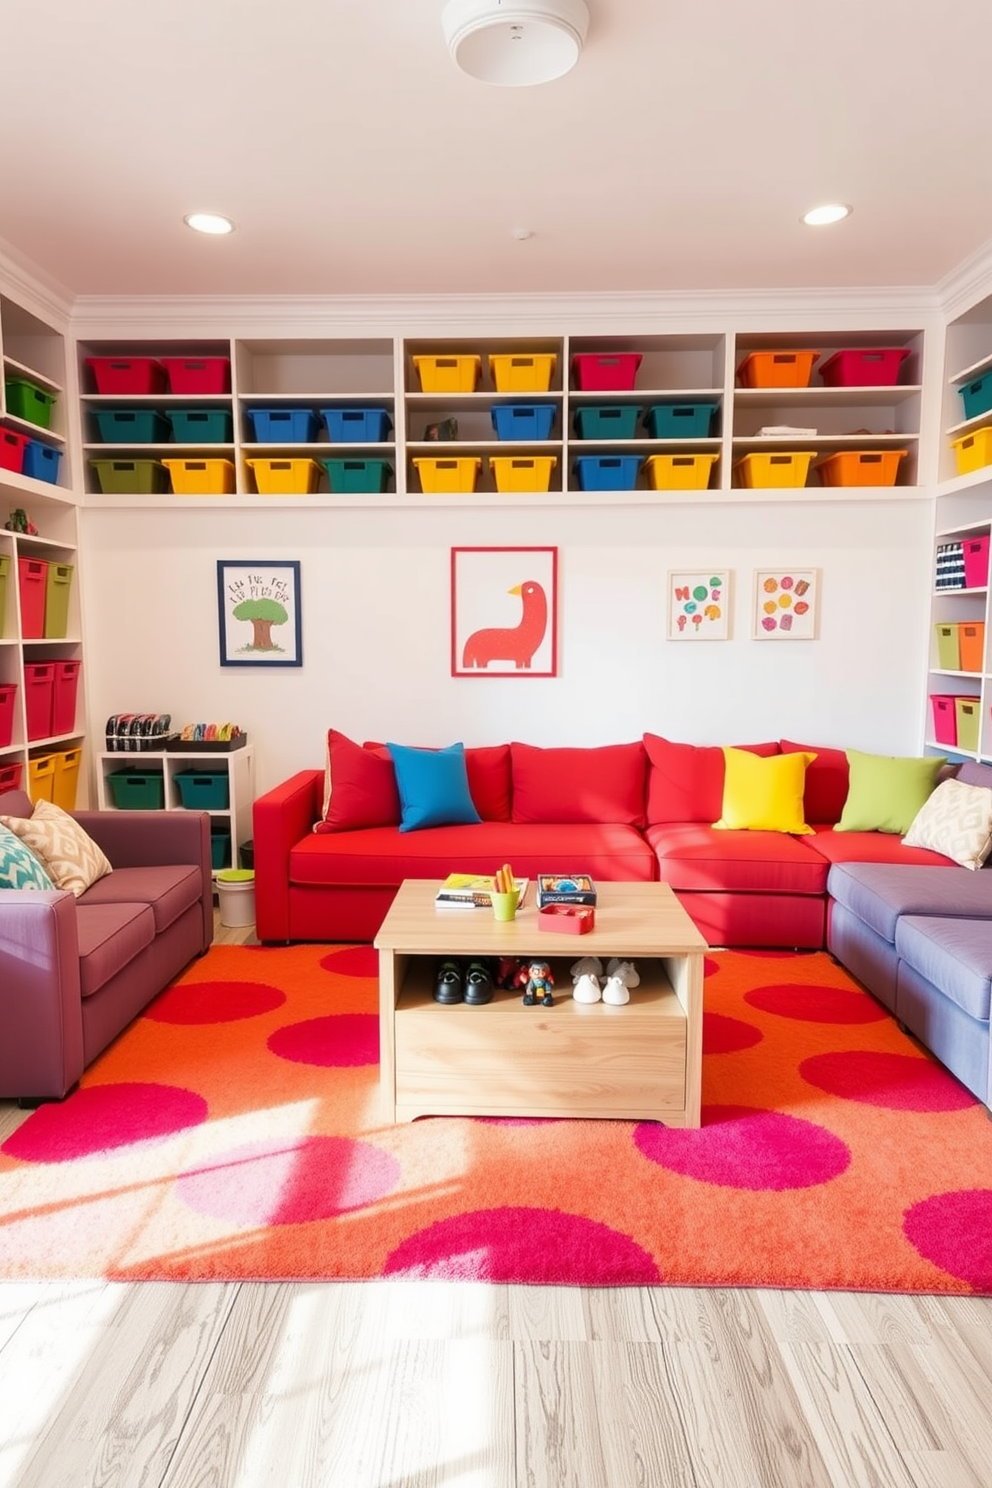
330	849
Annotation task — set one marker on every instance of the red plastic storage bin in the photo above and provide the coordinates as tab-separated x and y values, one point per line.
945	718
976	562
8	692
127	374
32	582
210	374
66	681
598	372
12	447
864	366
10	777
39	692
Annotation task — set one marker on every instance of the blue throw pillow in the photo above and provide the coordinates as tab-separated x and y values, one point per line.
433	787
19	868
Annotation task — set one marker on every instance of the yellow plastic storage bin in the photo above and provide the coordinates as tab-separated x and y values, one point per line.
285	477
41	778
201	477
448	374
679	472
973	450
437	475
66	763
523	372
776	468
524	473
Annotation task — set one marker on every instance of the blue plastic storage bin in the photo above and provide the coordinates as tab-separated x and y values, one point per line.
977	396
357	425
523	420
607	472
41	461
607	421
284	425
680	420
130	426
201	425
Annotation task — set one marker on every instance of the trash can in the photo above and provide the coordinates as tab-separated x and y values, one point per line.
246	854
236	897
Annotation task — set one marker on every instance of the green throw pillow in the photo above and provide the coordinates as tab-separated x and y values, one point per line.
886	791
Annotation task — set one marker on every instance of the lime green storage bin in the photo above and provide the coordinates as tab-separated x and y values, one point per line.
131	477
137	790
57	590
948	647
968	712
4	571
26	400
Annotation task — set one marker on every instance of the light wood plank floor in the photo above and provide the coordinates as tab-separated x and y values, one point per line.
436	1385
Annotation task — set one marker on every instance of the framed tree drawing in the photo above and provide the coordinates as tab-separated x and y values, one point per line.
258	610
786	604
699	605
504	612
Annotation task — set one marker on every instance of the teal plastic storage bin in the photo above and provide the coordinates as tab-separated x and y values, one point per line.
977	396
607	421
203	790
680	420
357	476
201	425
137	790
130	426
220	847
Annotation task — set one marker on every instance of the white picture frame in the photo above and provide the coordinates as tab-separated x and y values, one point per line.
699	604
786	603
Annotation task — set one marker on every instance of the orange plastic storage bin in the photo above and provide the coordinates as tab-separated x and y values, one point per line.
770	369
971	645
860	467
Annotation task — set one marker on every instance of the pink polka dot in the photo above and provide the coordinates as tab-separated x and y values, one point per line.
808	1003
215	1002
533	1246
99	1119
339	1041
357	961
745	1147
710	966
954	1231
723	1035
898	1082
291	1181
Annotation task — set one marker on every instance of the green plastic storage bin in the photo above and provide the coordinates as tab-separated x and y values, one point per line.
137	790
201	425
26	400
131	477
357	475
203	790
58	587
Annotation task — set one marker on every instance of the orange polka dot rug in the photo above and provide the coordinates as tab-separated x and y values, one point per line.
234	1131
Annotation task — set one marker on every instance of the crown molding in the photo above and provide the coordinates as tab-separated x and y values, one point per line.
966	284
34	290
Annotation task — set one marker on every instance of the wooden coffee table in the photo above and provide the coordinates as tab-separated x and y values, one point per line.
642	1061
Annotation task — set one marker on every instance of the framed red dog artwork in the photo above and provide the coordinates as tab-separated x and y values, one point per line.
504	612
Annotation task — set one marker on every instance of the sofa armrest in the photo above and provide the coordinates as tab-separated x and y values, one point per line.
41	1045
148	839
281	818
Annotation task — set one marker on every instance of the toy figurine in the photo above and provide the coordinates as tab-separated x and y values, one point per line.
536	979
507	971
19	521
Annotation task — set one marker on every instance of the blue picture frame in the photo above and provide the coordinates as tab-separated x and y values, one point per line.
258	611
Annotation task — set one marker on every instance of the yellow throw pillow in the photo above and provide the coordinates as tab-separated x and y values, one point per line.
764	793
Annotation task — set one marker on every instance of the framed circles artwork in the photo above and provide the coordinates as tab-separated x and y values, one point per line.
699	605
786	604
258	608
504	612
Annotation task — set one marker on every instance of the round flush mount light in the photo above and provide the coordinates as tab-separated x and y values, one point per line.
209	222
825	215
515	43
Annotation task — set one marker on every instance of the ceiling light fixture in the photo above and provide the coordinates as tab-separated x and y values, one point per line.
209	222
823	216
515	43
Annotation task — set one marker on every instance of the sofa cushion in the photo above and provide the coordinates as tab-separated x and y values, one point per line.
693	856
956	820
433	787
70	856
827	781
603	783
886	791
764	794
878	893
359	786
381	855
488	767
19	868
685	781
110	935
954	954
168	889
872	847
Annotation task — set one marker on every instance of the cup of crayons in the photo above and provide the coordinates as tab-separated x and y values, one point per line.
505	895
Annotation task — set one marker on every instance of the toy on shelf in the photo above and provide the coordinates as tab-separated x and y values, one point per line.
537	981
19	521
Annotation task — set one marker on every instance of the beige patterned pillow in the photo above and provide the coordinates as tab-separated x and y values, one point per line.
73	859
956	820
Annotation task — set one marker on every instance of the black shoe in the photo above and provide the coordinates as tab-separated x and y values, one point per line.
478	984
448	983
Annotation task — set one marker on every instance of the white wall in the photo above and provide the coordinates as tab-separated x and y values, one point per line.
375	605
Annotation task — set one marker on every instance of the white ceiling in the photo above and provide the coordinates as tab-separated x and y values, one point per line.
356	159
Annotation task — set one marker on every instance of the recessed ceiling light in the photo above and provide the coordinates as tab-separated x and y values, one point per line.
209	222
823	216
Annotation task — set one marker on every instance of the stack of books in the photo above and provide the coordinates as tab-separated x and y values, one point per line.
472	891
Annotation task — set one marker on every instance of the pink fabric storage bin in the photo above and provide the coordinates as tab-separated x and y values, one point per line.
32	582
39	690
64	685
976	562
8	692
945	718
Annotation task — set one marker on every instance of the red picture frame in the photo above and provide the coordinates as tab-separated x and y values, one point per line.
504	612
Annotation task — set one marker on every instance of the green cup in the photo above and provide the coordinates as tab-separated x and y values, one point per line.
505	905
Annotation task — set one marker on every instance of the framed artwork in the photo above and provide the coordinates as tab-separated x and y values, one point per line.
699	605
504	612
258	610
786	604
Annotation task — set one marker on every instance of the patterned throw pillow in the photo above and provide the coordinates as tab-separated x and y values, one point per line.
956	821
19	868
70	855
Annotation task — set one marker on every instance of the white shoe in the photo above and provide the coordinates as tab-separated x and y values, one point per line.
587	965
625	970
586	989
615	992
